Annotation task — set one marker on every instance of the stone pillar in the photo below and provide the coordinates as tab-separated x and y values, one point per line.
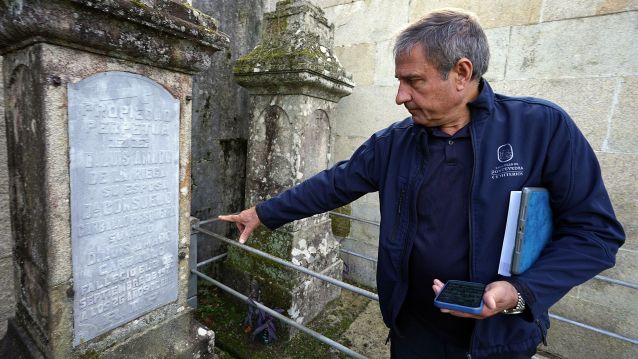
6	256
98	112
294	81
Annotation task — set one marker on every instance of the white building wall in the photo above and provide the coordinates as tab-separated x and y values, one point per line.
581	55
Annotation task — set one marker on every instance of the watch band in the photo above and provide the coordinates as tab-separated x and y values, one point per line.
519	308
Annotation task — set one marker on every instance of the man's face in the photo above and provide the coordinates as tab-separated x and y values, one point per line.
432	101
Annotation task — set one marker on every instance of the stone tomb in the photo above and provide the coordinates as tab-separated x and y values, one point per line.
124	149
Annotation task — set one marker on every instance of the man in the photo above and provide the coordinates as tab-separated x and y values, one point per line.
444	177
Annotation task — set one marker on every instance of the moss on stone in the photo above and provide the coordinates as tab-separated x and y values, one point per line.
302	53
138	3
341	226
89	355
278	244
277	26
226	317
289	47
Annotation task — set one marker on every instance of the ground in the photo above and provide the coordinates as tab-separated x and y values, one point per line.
351	320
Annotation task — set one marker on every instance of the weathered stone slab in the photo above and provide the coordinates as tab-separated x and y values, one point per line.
359	22
559	9
366	331
491	13
624	127
384	64
160	32
5	216
294	80
603	305
621	314
620	180
626	267
359	59
556	49
380	110
345	146
367	208
569	341
498	40
168	341
295	56
361	270
41	57
7	296
312	294
124	147
6	242
327	3
587	101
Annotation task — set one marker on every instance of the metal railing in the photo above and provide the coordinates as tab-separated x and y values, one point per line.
551	315
196	226
285	263
281	317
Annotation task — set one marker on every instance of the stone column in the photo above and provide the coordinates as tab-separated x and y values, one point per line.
98	112
294	81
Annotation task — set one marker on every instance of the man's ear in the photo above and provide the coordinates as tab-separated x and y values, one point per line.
463	69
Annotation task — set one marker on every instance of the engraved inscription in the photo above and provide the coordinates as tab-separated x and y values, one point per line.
124	149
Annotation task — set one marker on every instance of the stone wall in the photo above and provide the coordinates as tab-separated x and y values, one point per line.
221	117
6	265
581	55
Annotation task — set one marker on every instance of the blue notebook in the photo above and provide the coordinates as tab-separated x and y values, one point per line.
534	229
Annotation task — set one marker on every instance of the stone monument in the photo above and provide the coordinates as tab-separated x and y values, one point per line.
295	81
98	115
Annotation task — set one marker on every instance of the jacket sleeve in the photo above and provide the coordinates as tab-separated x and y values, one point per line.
332	188
586	235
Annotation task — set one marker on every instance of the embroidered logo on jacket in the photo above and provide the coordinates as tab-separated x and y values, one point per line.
507	168
505	153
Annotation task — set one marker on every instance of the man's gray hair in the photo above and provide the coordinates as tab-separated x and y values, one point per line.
447	35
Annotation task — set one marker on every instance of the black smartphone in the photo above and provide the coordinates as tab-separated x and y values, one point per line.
461	296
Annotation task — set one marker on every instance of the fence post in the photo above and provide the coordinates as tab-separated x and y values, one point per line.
191	297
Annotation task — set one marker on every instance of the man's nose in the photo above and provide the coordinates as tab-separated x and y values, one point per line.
403	96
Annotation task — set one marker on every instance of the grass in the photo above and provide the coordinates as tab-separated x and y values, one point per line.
225	316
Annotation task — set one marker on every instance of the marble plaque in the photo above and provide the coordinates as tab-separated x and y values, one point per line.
124	165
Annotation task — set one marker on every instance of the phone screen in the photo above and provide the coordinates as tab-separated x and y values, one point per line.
466	294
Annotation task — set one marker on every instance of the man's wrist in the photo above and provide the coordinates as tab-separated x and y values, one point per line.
518	308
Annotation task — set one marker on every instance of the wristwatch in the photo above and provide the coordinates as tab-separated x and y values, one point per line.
519	308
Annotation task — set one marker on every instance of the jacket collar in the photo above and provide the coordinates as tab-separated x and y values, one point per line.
480	112
485	99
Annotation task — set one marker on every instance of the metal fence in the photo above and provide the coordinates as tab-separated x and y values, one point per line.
551	315
195	273
192	295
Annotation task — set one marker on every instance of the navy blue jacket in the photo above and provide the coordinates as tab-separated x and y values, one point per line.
517	141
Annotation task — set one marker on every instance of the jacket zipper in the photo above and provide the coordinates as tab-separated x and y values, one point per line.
543	331
398	216
417	185
469	219
418	181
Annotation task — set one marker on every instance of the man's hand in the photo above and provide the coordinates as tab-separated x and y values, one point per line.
247	221
498	296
